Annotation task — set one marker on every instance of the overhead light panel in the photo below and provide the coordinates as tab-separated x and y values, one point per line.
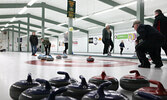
23	10
81	18
7	25
47	29
115	8
13	19
76	30
61	24
93	28
32	2
2	29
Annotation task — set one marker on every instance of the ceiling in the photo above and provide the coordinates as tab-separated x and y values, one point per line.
89	8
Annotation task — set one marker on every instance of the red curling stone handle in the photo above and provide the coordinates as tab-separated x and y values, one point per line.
136	72
160	90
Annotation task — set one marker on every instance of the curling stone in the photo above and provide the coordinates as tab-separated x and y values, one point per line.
37	93
78	90
134	82
17	88
44	57
64	56
102	94
49	58
58	57
59	81
90	59
151	93
104	78
55	95
40	56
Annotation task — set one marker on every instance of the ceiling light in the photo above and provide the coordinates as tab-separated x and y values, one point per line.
115	23
76	30
47	29
7	25
61	24
24	36
32	2
13	19
93	28
115	8
23	10
81	18
2	29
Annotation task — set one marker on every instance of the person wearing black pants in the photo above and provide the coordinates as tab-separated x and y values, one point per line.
160	23
149	41
65	42
34	43
106	39
47	45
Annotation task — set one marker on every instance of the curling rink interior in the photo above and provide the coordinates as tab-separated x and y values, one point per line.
16	66
84	20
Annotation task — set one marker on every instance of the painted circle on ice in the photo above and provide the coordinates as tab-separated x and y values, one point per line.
82	63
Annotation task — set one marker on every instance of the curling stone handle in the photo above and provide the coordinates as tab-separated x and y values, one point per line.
67	77
103	75
90	56
136	72
41	81
148	95
47	85
29	78
100	91
54	93
161	89
83	81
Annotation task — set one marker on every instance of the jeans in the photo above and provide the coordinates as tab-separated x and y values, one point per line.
34	49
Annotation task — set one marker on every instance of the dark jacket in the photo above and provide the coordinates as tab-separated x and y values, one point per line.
149	35
160	23
46	42
121	45
34	40
105	35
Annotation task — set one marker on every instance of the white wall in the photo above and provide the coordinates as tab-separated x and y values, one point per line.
79	42
54	44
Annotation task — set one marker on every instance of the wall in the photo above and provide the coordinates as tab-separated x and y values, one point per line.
79	42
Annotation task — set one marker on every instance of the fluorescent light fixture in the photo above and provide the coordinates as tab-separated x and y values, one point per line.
93	28
13	19
38	31
7	25
2	29
81	18
32	2
116	23
125	5
116	7
24	36
23	10
61	24
47	29
47	36
76	30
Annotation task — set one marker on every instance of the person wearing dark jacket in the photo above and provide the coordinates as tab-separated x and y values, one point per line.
47	45
34	43
149	41
160	23
106	39
121	45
